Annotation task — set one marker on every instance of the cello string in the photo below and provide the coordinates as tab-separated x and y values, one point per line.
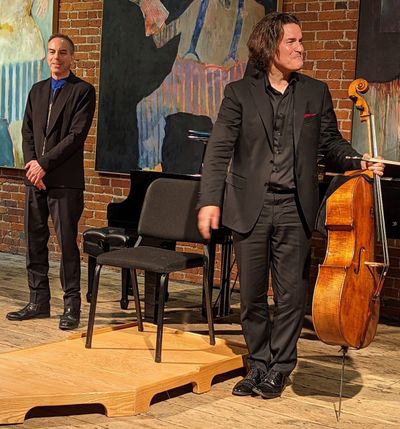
374	152
380	211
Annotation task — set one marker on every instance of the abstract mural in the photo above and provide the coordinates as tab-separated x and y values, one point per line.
164	66
25	26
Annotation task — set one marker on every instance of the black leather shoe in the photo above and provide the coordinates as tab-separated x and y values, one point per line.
245	387
30	311
70	319
272	385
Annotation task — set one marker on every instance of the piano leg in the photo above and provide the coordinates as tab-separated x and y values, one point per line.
226	260
151	291
224	306
126	288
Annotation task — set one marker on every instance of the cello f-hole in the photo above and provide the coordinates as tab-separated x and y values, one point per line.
358	266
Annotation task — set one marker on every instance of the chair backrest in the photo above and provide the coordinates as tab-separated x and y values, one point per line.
169	210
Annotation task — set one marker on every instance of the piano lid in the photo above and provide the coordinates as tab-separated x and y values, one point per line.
125	214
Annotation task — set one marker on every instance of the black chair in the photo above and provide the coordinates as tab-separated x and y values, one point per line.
99	240
169	212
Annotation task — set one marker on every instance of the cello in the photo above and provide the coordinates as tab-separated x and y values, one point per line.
345	308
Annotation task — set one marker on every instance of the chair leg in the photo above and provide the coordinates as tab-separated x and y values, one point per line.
91	267
137	299
207	293
93	303
160	316
208	273
125	281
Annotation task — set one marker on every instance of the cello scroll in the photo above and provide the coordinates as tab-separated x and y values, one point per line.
356	87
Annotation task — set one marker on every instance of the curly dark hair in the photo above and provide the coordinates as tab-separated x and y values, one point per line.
265	38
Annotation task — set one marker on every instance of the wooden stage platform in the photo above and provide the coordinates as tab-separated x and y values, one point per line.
118	372
371	394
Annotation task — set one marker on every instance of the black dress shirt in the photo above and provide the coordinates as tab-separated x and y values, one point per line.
282	176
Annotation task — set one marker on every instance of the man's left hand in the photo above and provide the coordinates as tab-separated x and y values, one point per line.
376	167
35	173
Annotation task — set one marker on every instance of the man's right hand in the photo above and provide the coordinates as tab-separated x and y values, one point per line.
35	174
208	219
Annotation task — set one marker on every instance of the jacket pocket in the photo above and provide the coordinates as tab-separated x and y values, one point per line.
311	119
235	180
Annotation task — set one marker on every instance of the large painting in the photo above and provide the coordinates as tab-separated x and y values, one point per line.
378	61
25	26
164	66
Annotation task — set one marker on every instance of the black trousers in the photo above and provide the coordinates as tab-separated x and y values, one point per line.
65	207
278	242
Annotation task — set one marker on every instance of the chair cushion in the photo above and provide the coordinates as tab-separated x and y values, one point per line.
152	259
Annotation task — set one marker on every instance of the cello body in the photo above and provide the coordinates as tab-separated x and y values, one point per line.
345	307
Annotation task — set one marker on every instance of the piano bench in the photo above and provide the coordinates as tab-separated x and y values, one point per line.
100	240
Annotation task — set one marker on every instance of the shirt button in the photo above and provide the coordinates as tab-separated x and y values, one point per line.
275	169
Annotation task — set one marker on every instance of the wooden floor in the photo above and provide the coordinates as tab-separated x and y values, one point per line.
372	377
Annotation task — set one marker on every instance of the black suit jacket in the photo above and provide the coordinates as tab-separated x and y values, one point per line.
239	160
69	123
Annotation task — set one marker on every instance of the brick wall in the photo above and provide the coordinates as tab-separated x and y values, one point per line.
330	34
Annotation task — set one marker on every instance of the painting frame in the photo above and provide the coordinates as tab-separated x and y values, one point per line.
22	63
119	142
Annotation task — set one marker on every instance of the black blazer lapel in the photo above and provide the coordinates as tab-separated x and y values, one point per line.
263	105
58	105
40	115
300	103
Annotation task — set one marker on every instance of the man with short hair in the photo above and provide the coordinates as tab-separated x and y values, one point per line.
58	116
260	169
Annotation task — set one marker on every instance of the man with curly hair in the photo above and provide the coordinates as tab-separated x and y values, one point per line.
260	170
